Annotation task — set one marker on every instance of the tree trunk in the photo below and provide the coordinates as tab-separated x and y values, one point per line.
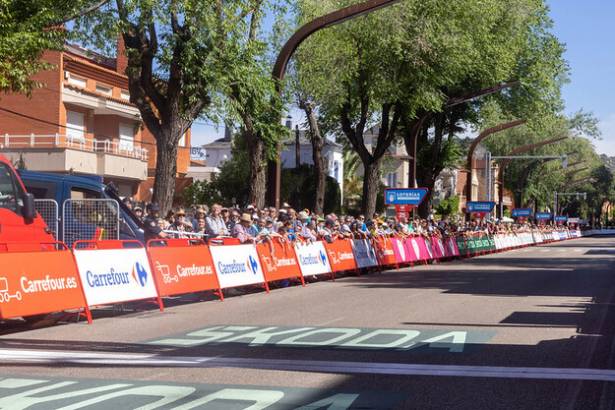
258	170
166	170
371	185
319	164
425	206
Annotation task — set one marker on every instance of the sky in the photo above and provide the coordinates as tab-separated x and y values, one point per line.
587	27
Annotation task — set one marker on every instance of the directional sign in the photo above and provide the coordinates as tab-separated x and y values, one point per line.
522	212
543	216
405	196
562	219
479	207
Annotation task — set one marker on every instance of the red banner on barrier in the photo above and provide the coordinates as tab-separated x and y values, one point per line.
412	249
399	249
279	260
340	255
33	283
384	251
437	248
182	266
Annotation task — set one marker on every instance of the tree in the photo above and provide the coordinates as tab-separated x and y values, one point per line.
28	29
184	58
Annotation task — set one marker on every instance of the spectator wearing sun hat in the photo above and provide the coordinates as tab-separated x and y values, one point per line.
240	230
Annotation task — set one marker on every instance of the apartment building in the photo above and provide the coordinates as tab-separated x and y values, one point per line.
82	122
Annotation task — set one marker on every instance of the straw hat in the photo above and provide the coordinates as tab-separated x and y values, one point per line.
245	217
180	211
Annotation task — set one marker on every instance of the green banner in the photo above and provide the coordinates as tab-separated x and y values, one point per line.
473	246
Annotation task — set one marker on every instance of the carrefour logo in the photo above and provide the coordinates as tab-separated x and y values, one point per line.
233	267
252	264
323	258
139	274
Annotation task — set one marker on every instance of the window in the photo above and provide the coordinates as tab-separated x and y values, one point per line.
75	126
83	193
77	81
127	137
10	192
40	190
104	90
125	95
392	180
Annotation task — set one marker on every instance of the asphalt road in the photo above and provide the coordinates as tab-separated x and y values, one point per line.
526	329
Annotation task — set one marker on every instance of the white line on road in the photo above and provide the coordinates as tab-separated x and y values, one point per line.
104	359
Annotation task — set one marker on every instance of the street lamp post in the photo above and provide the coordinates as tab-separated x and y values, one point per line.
520	150
279	69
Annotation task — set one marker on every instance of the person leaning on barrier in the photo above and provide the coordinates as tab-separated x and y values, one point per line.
215	224
151	226
181	224
240	230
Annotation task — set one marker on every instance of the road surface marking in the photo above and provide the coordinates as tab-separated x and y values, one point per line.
343	367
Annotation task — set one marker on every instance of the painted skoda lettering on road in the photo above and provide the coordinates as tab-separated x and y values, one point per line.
453	341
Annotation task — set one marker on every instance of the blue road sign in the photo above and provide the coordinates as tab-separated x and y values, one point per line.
522	212
483	207
561	219
405	196
543	216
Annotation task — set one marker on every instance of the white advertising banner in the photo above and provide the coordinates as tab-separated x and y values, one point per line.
312	258
364	253
237	265
115	275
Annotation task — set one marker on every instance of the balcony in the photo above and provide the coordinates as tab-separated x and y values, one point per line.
62	153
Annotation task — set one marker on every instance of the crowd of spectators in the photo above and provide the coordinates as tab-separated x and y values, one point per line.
251	224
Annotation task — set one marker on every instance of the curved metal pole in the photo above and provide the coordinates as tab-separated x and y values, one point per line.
328	20
482	136
279	68
520	150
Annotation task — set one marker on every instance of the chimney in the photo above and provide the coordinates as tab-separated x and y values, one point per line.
121	61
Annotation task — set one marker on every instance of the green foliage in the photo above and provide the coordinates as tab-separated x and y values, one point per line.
299	189
27	29
449	206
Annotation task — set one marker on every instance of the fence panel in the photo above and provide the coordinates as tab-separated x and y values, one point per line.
90	219
48	209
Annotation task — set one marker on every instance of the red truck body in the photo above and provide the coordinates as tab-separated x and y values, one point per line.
14	228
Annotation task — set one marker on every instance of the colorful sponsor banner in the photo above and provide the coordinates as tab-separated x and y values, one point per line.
479	207
33	283
438	248
425	249
312	258
413	196
237	265
543	216
340	255
278	259
182	269
115	275
364	253
386	254
522	213
561	219
413	249
472	246
451	246
399	250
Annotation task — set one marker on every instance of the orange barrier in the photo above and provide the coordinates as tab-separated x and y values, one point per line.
279	260
35	282
182	266
385	252
340	255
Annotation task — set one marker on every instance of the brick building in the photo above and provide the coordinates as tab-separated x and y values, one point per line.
81	122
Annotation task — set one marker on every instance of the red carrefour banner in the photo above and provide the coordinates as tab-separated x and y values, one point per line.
385	252
340	255
279	260
182	266
36	282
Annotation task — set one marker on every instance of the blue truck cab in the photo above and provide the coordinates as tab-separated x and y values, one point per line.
61	187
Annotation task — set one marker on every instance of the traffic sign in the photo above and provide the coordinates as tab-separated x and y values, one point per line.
562	219
414	196
543	216
522	212
479	207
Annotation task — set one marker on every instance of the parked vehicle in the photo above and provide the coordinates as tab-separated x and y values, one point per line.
77	223
19	221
